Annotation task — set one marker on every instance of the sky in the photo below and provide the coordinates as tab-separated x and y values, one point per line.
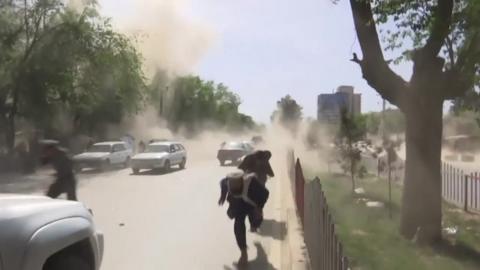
262	50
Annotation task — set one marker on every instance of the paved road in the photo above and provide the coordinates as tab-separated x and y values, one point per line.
170	221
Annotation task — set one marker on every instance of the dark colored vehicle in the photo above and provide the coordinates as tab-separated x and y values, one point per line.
233	151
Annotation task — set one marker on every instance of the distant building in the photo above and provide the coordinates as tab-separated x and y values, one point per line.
330	105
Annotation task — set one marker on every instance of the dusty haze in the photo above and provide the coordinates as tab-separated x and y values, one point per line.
165	36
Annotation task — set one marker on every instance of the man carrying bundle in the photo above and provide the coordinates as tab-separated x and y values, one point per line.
246	196
259	163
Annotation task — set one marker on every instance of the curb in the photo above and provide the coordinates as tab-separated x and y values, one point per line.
294	251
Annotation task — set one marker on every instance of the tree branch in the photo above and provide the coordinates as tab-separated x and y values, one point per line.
375	70
461	77
451	53
441	27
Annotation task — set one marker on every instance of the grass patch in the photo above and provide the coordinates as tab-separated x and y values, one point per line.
372	240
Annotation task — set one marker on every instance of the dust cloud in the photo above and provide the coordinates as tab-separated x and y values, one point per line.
167	38
203	147
170	40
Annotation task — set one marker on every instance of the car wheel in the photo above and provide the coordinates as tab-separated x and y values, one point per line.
183	163
67	261
166	167
127	163
135	170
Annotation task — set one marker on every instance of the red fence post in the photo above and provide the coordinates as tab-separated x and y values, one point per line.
299	190
321	239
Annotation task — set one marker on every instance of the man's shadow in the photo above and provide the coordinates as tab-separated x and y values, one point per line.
272	228
259	263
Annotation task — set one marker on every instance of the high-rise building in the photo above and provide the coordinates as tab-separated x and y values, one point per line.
357	104
330	105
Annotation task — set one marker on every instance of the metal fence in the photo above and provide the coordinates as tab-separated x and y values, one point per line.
324	247
460	188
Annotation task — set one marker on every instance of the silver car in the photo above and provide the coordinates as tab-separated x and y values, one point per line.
160	155
104	155
40	233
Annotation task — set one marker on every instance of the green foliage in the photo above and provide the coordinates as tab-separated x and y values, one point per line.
394	122
352	130
364	231
414	21
469	102
58	61
194	104
288	113
373	122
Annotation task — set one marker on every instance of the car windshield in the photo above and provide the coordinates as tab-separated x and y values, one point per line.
159	148
99	148
233	145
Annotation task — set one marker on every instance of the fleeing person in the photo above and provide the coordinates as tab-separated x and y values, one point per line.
65	181
246	197
258	162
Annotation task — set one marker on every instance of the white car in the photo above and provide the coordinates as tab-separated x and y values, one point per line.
103	155
40	233
160	155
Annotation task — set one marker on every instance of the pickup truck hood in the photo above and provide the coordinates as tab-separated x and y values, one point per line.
150	155
22	215
91	155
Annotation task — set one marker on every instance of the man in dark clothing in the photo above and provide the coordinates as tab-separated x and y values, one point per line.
65	179
246	197
259	163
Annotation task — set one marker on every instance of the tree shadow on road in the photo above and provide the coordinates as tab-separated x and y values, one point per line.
272	228
260	263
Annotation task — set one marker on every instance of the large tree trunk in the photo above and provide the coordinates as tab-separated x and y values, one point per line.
421	215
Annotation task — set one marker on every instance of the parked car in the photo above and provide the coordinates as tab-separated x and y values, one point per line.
160	155
104	155
40	233
233	151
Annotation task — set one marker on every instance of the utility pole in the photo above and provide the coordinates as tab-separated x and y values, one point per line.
384	133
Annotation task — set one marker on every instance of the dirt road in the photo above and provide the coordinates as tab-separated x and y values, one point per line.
168	221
